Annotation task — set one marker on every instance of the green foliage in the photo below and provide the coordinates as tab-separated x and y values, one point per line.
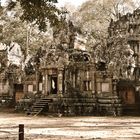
1	10
94	17
11	5
13	29
114	55
3	61
39	12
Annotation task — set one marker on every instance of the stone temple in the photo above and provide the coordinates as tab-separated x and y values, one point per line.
67	80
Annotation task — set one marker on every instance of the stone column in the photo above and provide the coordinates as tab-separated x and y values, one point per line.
66	76
46	82
114	87
98	83
98	87
60	81
73	80
25	88
110	85
37	78
43	84
93	81
11	89
139	53
78	77
82	79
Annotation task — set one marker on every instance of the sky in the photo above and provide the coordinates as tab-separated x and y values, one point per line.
76	3
61	3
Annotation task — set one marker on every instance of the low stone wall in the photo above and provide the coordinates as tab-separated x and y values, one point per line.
73	106
109	106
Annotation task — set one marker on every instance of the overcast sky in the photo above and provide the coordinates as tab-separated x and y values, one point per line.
73	2
60	2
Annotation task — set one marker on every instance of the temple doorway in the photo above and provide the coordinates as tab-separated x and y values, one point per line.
18	92
128	96
126	91
52	84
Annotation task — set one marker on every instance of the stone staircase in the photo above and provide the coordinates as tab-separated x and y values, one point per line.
39	106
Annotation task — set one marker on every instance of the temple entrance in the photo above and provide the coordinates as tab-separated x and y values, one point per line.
127	95
126	91
52	79
54	85
18	92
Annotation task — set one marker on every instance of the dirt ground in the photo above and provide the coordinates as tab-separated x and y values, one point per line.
69	128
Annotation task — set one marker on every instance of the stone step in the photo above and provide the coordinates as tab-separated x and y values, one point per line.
39	106
108	101
40	103
35	113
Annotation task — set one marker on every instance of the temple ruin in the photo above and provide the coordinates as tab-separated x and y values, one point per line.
67	80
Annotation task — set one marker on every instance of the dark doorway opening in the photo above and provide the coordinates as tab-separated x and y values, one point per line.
18	92
53	84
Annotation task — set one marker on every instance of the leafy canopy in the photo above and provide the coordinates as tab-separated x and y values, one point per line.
38	12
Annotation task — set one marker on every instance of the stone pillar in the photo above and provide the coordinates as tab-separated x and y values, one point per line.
60	81
87	74
37	78
115	87
98	83
82	79
78	77
46	82
110	85
11	87
65	80
93	82
25	88
73	79
98	87
43	84
139	53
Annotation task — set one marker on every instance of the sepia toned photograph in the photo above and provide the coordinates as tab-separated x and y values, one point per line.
69	69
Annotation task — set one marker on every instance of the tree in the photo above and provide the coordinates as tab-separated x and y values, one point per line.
94	16
115	56
27	35
37	11
42	14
